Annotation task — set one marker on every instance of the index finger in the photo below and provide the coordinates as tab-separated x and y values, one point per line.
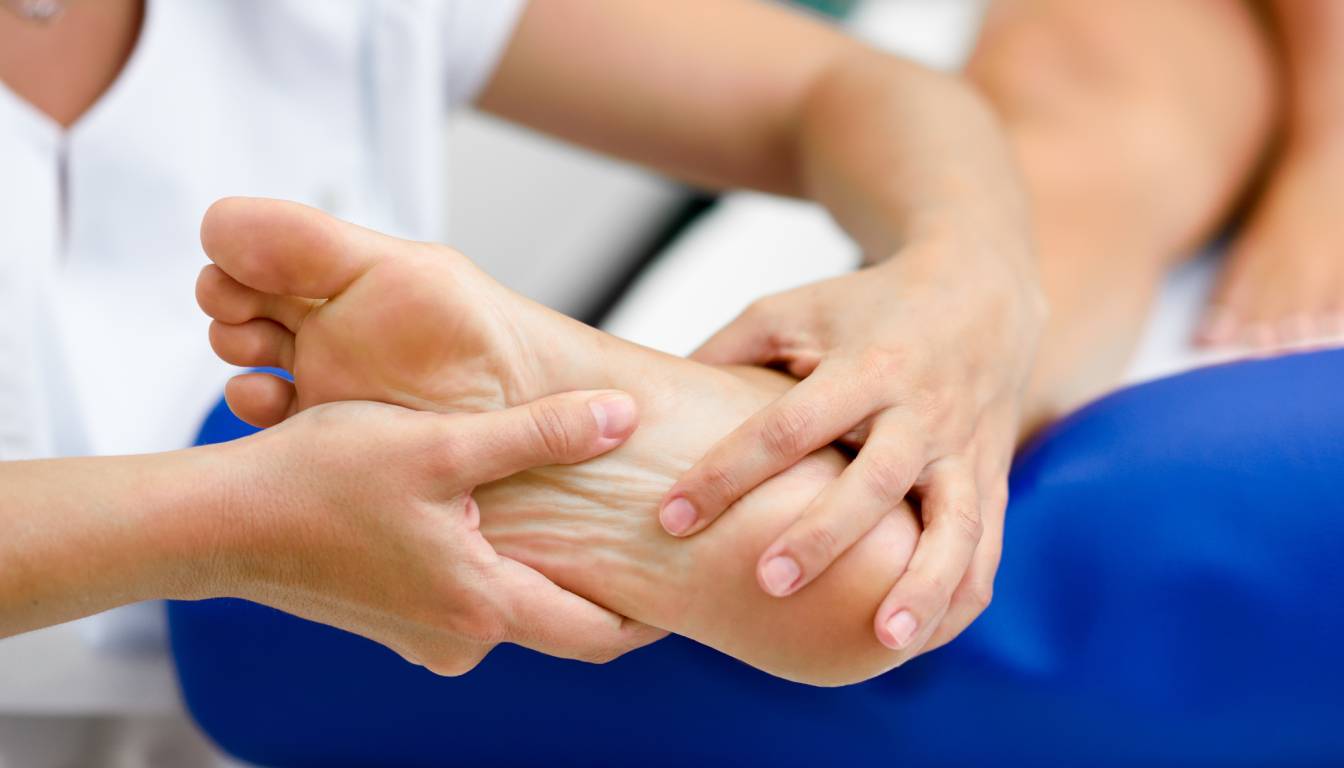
560	429
814	413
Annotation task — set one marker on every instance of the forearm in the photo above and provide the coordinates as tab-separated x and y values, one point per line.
898	154
766	99
79	536
1312	39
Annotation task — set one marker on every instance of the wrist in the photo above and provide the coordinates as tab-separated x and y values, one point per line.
972	254
201	528
992	270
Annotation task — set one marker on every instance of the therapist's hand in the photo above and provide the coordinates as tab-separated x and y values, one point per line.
920	363
360	515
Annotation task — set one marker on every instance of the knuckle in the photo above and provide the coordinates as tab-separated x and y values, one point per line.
785	433
967	518
816	543
940	408
882	365
552	429
886	480
477	625
718	484
932	588
980	595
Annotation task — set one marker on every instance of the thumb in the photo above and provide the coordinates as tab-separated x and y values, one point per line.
559	429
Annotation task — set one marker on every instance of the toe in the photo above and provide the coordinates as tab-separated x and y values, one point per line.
229	301
1297	328
260	399
1332	324
1218	327
256	343
285	248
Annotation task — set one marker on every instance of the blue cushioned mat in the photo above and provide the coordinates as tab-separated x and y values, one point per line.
1170	594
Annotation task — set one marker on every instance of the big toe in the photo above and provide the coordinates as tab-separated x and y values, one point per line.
286	248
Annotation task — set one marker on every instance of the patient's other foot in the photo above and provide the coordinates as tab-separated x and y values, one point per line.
1283	281
359	315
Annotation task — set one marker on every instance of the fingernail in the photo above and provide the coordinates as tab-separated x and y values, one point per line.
900	628
615	414
780	574
677	516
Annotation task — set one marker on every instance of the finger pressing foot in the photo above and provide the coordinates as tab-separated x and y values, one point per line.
873	485
952	531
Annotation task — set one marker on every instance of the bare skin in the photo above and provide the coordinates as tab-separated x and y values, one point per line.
908	160
78	536
912	165
293	518
63	68
1141	127
1133	149
418	325
1283	283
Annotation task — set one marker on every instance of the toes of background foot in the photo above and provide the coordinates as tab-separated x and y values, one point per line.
1268	301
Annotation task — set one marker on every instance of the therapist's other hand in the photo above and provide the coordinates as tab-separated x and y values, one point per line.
361	515
920	363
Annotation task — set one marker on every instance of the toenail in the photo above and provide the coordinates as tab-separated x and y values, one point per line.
677	516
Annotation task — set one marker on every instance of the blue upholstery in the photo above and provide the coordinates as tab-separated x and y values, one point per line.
1170	594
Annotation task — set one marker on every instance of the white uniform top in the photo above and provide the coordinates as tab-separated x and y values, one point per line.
338	104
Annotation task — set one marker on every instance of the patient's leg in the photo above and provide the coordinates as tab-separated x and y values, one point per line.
1283	280
418	325
1137	124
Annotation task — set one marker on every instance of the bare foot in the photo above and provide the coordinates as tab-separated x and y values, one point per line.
1283	282
358	315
